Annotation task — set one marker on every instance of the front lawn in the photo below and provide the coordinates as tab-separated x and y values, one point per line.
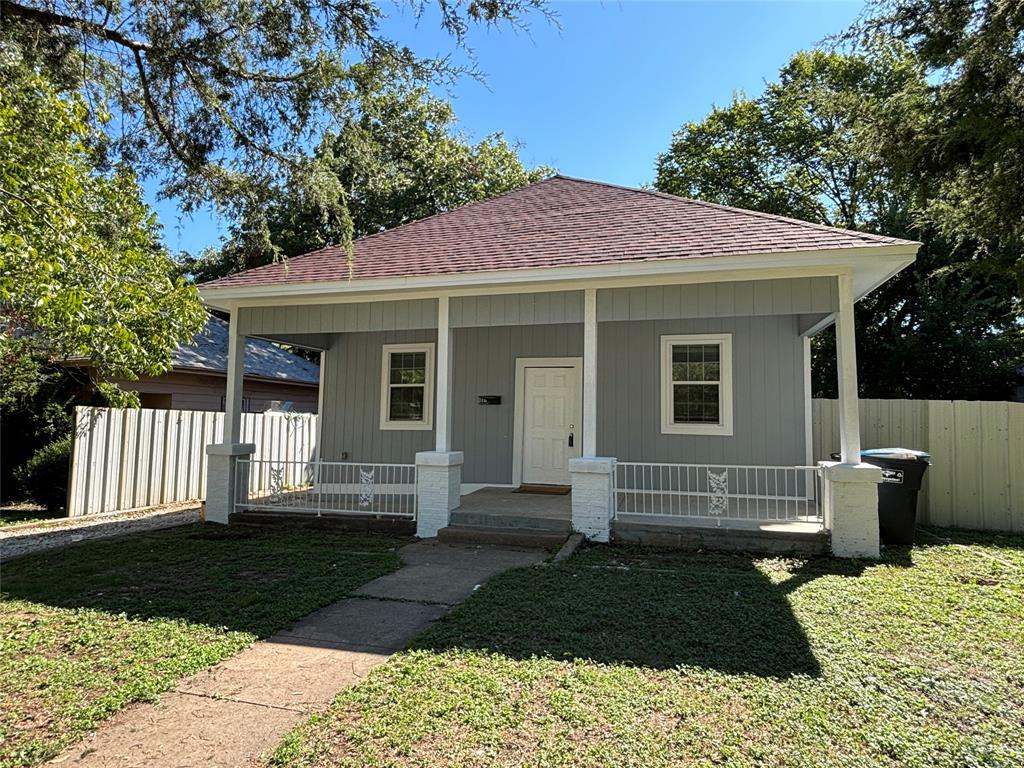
627	657
16	514
86	630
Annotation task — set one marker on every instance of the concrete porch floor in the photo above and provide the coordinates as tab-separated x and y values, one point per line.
505	501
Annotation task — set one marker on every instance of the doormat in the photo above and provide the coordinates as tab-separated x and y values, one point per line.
546	490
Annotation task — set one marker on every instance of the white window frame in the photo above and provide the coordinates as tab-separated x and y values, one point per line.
385	387
724	426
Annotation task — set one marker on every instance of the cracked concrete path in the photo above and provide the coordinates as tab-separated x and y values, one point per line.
233	712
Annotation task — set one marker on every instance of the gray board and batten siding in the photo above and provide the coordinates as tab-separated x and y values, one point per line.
490	332
790	296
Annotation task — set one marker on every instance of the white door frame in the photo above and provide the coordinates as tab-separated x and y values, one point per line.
519	408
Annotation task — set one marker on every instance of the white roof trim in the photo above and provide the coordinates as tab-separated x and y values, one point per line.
870	266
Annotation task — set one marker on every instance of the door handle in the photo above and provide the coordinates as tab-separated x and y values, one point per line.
570	439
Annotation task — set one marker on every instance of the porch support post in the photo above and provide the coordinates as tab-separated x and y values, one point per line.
849	487
846	365
439	472
593	476
227	482
443	422
235	377
590	372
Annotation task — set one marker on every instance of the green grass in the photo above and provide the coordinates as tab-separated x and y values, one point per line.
86	630
15	514
627	657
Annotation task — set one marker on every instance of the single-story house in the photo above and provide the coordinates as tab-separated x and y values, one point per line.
275	379
647	352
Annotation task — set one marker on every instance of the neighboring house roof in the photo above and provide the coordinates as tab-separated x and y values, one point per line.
209	352
559	222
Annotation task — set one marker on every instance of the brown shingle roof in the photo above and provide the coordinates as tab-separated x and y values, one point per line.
559	222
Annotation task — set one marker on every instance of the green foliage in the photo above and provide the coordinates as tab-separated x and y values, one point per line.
87	630
812	147
222	99
82	271
963	158
44	477
395	158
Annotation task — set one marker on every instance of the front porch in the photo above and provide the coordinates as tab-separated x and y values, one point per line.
770	509
598	389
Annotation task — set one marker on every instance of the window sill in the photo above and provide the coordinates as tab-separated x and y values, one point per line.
722	430
406	426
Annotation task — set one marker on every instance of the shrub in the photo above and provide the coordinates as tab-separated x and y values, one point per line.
44	477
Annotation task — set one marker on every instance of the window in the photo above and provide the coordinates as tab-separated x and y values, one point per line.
407	386
696	384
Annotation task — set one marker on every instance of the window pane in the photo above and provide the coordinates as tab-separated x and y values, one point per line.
696	362
405	404
408	368
695	404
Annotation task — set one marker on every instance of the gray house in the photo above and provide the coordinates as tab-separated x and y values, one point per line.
648	353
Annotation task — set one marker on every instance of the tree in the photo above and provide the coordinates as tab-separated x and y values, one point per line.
397	157
963	157
82	270
223	98
808	148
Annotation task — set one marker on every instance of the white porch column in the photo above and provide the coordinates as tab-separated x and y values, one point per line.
443	421
590	372
849	487
439	472
593	477
226	483
846	366
236	373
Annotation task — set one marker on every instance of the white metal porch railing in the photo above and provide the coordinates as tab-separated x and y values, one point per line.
326	487
718	492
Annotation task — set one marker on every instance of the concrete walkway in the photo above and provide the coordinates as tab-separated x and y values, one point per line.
231	713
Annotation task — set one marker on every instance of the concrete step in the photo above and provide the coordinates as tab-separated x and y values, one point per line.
505	537
473	519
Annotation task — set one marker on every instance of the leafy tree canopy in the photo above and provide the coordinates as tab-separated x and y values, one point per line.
395	158
809	147
963	155
224	97
82	271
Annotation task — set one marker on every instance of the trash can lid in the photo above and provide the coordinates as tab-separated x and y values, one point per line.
895	453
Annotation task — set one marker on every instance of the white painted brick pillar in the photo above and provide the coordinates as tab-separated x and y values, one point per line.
850	508
438	485
224	483
593	496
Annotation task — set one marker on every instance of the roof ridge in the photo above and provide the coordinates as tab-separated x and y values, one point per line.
869	236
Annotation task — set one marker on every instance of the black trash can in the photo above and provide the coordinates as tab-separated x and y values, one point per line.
902	472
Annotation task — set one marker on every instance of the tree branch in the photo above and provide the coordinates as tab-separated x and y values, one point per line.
54	19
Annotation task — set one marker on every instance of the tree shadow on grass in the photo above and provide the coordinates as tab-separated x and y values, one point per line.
243	578
648	608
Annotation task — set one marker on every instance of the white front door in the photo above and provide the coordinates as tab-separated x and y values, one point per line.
551	413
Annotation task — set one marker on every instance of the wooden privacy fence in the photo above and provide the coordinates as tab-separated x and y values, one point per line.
977	475
124	458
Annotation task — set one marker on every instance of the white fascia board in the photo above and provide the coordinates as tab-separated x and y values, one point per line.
864	282
871	267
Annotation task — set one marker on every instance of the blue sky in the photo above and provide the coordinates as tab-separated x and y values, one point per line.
600	96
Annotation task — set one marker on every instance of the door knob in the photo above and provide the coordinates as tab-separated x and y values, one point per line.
570	439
